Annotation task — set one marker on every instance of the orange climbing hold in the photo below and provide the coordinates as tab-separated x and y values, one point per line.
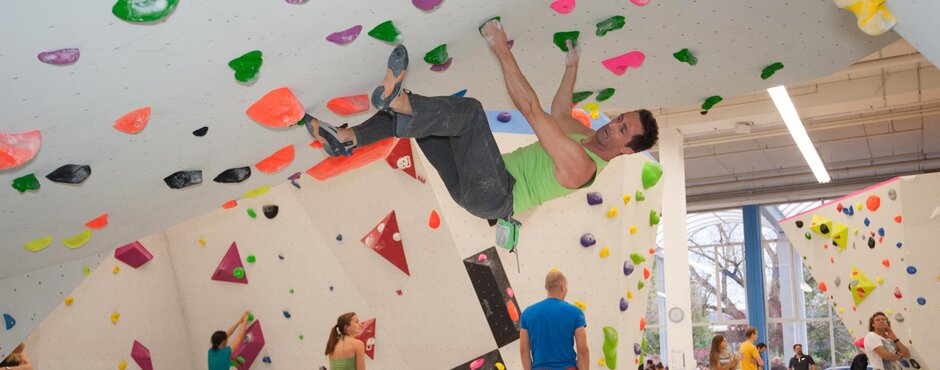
277	161
897	218
822	286
886	262
133	122
316	145
642	324
435	220
646	273
513	312
16	149
98	223
347	105
873	202
230	204
335	166
277	108
582	117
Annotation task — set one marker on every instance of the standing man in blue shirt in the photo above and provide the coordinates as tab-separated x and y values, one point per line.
550	330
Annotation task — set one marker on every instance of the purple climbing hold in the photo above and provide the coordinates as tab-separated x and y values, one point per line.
899	244
295	176
427	5
60	57
624	305
296	2
345	36
443	66
588	240
594	198
510	43
504	117
627	268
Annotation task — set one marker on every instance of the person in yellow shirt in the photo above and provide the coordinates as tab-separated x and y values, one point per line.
750	357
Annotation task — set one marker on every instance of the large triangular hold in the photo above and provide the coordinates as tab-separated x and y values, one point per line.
141	355
860	286
840	235
821	225
133	254
368	337
386	241
230	268
497	299
402	158
245	354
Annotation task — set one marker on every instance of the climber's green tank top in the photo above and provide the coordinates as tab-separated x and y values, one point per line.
348	363
534	172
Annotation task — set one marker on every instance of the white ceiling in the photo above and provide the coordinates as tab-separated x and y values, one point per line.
179	68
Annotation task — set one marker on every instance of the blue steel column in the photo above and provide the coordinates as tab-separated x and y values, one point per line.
754	273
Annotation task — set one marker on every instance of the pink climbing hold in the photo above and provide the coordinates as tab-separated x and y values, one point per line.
443	66
226	269
141	355
347	105
563	6
16	149
476	364
481	258
618	65
860	342
509	292
133	122
345	36
60	57
133	254
251	346
640	2
426	5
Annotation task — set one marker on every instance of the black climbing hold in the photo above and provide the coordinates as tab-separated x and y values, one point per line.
202	131
339	237
234	175
871	242
824	229
182	179
799	224
270	211
70	174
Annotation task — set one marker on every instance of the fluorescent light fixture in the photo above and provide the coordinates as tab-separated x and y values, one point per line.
795	125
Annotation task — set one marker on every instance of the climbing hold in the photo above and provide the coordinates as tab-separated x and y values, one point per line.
230	268
580	96
873	202
115	317
921	301
115	270
256	192
460	93
385	240
821	225
605	94
247	66
233	175
624	305
133	254
426	5
880	280
629	294
911	270
24	183
840	235
183	179
637	259
275	162
860	286
270	211
581	305
238	273
443	66
839	207
652	171
639	196
345	36
504	117
610	347
86	270
252	259
69	300
710	103
266	359
386	31
610	24
873	16
799	224
838	281
202	131
70	174
612	212
38	244
867	222
16	149
899	245
654	218
278	108
230	204
348	105
500	366
60	57
605	252
897	218
646	273
78	240
881	231
897	293
137	11
437	55
588	240
685	56
808	236
619	64
822	286
640	2
98	223
770	70
640	285
594	108
286	314
561	38
339	237
633	230
582	117
892	194
251	316
898	317
886	262
637	348
434	220
563	6
9	321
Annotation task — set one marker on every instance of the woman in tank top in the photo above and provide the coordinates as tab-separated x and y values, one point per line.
343	349
720	358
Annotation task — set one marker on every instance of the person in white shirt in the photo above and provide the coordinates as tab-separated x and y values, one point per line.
882	346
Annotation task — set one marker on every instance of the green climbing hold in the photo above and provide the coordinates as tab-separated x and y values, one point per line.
28	182
686	56
86	270
580	96
143	11
232	363
292	291
770	70
238	273
561	37
240	359
386	31
610	347
301	337
606	94
808	236
251	317
437	56
251	258
246	66
497	18
639	196
252	213
637	259
640	285
710	103
610	24
654	218
652	171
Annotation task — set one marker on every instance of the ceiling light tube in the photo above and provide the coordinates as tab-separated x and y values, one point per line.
785	106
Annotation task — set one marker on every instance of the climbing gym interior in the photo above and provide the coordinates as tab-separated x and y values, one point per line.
160	182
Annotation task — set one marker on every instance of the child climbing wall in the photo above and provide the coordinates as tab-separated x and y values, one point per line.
873	251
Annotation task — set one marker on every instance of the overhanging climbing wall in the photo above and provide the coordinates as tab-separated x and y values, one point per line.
875	250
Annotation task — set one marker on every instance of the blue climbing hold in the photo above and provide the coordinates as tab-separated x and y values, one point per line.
899	245
9	321
588	240
881	231
911	270
623	304
867	222
286	315
460	93
921	301
266	359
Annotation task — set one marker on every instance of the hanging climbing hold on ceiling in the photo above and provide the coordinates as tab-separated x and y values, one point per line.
270	211
275	162
24	183
605	94
233	175
386	31
426	5
256	192
98	223
580	96
563	6
873	16
278	108
78	240
443	66
561	38
610	24
769	70
251	213
345	36
70	174
619	64
685	56
38	244
247	66
202	131
60	57
9	321
437	55
183	179
143	11
710	103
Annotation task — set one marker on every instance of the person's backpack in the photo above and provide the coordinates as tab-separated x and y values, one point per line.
860	362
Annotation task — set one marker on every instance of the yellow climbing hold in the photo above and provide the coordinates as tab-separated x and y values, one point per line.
593	108
873	16
69	301
855	231
78	240
86	270
889	312
841	310
626	199
38	244
821	225
600	362
605	252
859	206
122	365
115	317
581	305
840	235
202	242
116	269
256	192
554	269
630	295
612	212
500	366
633	230
880	280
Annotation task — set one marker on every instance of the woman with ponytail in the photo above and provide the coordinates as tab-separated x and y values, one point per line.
344	350
221	352
720	358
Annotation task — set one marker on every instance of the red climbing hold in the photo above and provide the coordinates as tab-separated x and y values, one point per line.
251	346
385	240
141	356
316	145
839	207
367	336
401	157
435	220
646	273
642	324
16	149
277	161
886	262
230	263
335	166
873	202
98	223
133	254
277	108
347	105
230	204
133	122
822	286
897	219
